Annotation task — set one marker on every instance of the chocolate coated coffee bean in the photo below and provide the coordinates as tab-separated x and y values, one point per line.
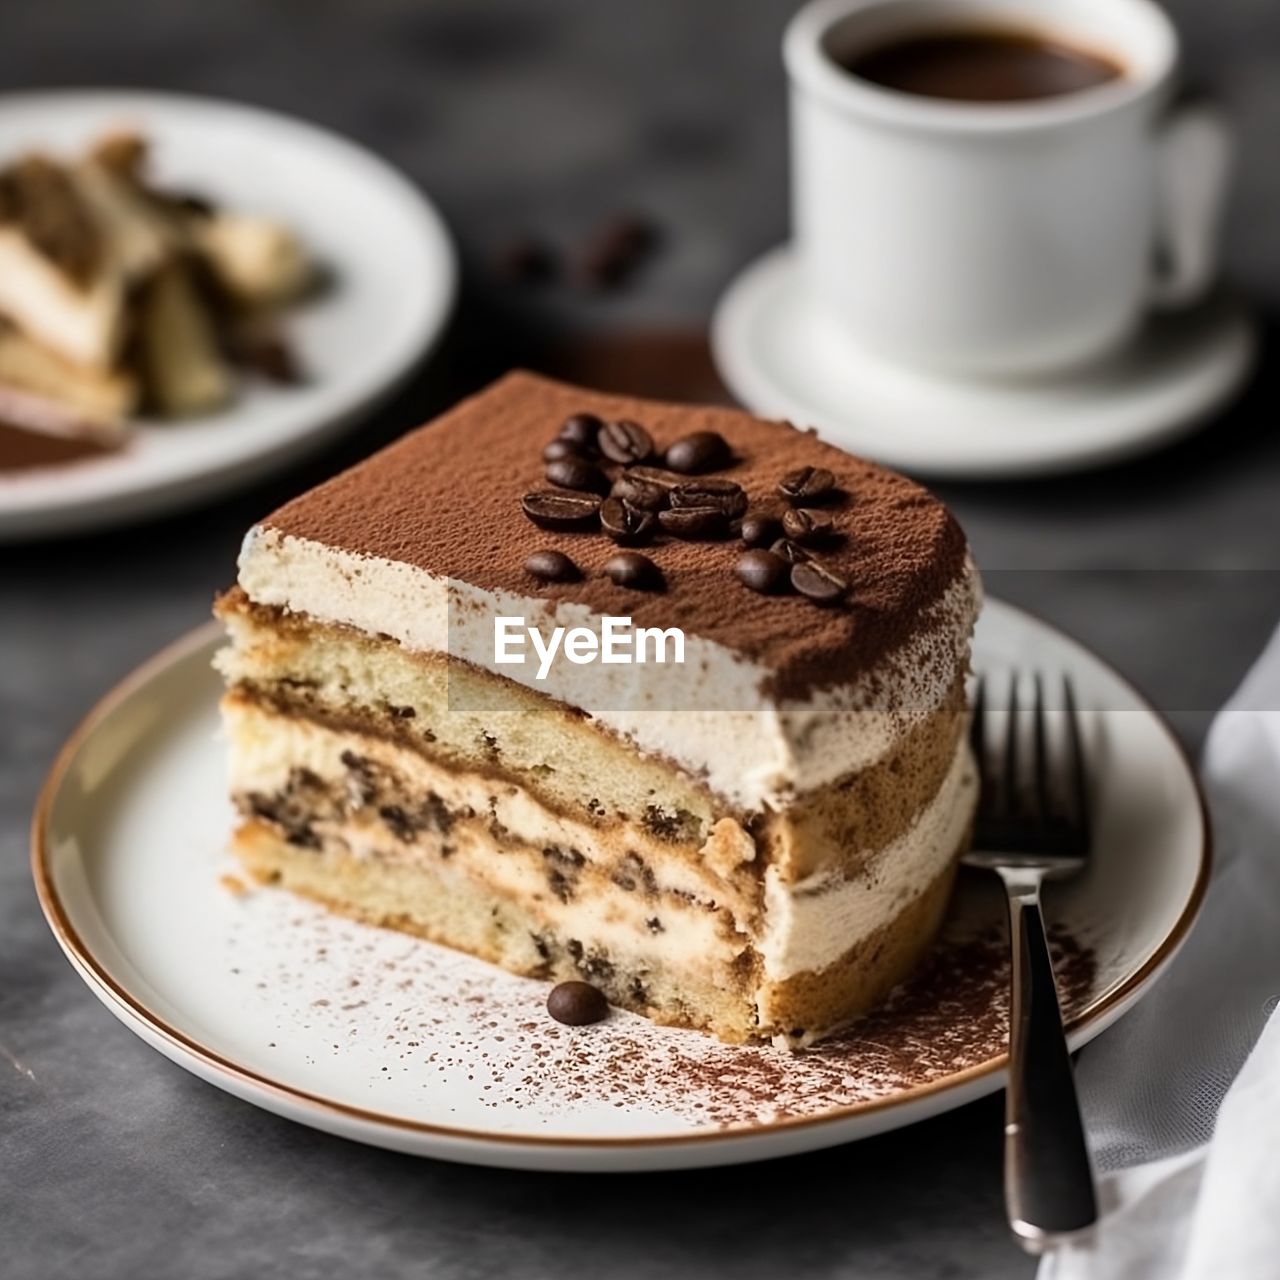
818	583
549	509
791	552
698	453
760	531
807	484
725	495
552	566
582	429
694	523
643	494
626	524
577	473
631	569
803	525
576	1004
625	442
763	571
560	448
654	475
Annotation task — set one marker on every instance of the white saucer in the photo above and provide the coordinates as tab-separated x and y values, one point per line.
783	360
388	1040
393	274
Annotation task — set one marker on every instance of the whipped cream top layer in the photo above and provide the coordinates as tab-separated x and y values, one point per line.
425	543
713	715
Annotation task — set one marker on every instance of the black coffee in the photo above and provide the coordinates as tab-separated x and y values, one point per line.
982	66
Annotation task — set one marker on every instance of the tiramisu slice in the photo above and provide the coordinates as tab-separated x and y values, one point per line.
58	278
119	297
35	432
752	831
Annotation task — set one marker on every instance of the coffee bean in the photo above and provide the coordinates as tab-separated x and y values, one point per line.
642	494
577	473
807	484
626	524
698	453
760	531
552	509
631	569
552	566
656	475
614	250
818	583
806	526
763	571
576	1004
560	448
524	260
625	442
791	552
724	495
582	429
694	523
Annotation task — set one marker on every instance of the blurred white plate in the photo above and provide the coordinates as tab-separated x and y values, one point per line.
385	1039
386	247
782	359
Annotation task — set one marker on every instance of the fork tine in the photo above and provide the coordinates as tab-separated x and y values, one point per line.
1010	780
1041	753
1075	746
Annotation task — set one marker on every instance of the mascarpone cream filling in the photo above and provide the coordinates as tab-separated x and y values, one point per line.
709	714
267	749
810	924
807	925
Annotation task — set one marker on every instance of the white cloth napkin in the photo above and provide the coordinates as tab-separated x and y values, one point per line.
1184	1198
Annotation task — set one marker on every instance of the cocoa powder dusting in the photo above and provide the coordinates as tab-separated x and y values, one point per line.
457	1042
899	548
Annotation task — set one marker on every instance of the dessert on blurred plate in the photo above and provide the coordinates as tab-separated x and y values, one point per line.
118	297
754	832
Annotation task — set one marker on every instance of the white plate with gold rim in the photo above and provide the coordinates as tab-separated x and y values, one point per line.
389	1040
383	244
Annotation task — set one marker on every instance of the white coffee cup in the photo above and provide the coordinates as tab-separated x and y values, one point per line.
999	238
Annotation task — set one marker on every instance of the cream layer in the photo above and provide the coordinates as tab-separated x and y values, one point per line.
811	923
267	749
803	928
709	714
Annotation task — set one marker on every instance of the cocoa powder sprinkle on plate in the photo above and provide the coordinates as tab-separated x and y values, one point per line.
440	1014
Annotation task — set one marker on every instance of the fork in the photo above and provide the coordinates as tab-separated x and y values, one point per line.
1027	834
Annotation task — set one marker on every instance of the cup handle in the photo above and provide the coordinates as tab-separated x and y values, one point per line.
1193	162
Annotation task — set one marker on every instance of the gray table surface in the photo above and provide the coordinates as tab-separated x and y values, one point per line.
547	115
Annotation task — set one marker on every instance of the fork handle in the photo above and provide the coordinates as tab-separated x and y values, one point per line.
1048	1177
